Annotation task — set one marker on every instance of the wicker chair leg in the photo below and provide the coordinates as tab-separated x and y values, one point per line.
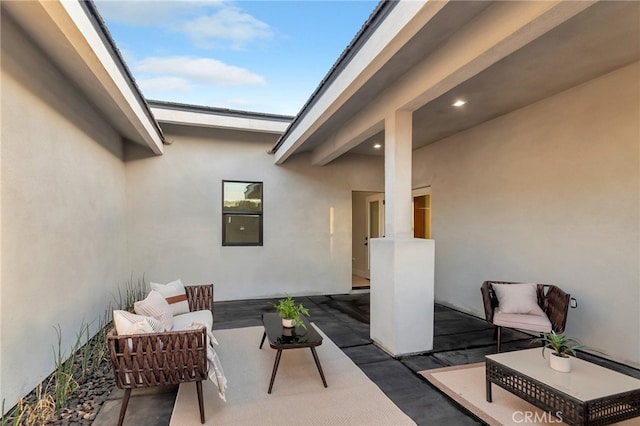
498	336
123	407
200	401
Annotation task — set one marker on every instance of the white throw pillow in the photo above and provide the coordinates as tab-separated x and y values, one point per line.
517	298
175	295
155	306
140	327
128	323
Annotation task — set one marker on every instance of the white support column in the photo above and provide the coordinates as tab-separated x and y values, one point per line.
402	267
397	174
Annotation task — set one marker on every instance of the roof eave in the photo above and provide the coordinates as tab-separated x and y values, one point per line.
222	118
378	14
76	40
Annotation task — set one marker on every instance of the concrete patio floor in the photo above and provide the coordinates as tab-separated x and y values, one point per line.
458	339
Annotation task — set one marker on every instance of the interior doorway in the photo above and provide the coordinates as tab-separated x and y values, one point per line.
360	238
421	208
375	223
368	222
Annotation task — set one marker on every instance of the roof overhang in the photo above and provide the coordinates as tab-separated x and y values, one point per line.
421	56
221	118
73	36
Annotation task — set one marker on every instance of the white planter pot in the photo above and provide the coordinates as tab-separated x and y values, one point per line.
288	332
559	363
287	322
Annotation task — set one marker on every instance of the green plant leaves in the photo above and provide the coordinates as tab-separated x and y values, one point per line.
287	308
560	344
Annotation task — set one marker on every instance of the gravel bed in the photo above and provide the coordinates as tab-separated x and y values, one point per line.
85	402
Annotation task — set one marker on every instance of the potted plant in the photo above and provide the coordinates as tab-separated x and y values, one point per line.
562	346
290	312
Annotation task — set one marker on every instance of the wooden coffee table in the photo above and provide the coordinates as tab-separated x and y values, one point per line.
588	395
299	338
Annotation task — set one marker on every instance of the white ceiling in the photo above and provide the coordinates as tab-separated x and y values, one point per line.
604	37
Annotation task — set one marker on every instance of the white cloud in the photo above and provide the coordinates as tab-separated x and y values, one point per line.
228	24
199	71
152	12
150	85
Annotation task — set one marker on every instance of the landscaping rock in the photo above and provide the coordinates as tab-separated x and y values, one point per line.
83	405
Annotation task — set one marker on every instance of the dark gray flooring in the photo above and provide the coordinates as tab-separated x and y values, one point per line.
458	339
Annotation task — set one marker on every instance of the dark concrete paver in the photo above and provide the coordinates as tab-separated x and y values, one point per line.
150	406
459	339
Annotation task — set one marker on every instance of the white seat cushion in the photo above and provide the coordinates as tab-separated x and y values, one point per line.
183	321
539	323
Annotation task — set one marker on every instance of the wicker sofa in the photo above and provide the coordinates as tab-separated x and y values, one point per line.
166	358
552	300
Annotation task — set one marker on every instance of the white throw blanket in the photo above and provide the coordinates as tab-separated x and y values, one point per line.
216	373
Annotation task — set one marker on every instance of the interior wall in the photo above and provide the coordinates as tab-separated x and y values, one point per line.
547	194
63	229
174	221
359	226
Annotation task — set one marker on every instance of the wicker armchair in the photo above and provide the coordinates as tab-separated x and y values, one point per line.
160	359
553	301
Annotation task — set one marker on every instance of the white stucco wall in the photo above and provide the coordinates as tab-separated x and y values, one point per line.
174	221
63	227
549	193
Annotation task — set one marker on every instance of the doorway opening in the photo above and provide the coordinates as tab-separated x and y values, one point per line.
364	204
368	223
421	208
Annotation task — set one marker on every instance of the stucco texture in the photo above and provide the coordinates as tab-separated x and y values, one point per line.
174	221
549	194
63	223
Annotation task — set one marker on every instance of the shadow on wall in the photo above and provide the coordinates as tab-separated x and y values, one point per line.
20	60
134	151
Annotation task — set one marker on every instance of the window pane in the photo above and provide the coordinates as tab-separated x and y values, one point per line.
242	196
241	229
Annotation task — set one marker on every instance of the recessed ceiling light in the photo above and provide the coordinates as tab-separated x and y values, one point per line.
459	103
377	146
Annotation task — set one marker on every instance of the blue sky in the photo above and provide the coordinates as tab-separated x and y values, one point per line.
263	56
